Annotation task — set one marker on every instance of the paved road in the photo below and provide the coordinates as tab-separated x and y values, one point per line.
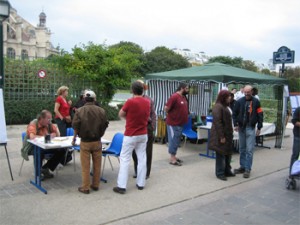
189	194
263	200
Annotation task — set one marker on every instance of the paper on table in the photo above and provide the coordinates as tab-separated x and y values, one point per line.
59	139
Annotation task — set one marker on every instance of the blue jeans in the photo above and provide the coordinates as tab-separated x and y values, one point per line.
296	150
246	147
174	138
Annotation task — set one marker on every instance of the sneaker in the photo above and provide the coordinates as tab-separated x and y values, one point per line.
246	174
134	176
119	190
139	187
46	173
239	170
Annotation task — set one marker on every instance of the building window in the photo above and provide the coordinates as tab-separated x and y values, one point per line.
11	53
24	54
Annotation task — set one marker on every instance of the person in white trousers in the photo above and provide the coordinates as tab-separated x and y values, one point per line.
136	111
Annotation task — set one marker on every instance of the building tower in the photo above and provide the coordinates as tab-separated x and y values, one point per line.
42	20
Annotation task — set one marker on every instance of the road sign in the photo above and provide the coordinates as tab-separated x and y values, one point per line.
283	55
42	73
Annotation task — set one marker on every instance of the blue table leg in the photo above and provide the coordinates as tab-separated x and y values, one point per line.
209	153
101	178
37	170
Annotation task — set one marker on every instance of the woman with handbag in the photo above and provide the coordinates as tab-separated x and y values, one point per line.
62	110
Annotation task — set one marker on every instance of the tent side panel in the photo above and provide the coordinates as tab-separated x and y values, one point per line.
200	101
161	90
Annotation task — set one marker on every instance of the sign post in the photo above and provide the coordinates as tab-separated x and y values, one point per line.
283	55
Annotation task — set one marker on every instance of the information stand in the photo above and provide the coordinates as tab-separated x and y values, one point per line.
3	134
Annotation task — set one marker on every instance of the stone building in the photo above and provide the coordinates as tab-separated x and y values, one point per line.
22	40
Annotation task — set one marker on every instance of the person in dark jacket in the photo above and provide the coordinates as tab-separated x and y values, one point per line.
232	101
296	131
222	135
246	114
90	123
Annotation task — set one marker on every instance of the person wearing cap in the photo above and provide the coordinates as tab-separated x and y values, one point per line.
150	128
90	123
136	111
82	101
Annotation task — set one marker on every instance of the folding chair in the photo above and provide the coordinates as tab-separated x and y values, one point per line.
114	149
46	156
70	132
20	171
187	131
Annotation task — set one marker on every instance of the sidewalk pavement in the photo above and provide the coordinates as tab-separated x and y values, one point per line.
189	194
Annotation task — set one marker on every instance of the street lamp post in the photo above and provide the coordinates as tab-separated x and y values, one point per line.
4	14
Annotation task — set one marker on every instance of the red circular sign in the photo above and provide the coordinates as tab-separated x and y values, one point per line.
42	73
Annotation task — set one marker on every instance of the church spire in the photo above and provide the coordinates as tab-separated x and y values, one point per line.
42	17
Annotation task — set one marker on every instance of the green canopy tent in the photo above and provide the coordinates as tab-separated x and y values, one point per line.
202	78
217	72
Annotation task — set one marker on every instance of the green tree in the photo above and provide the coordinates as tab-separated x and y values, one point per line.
163	59
131	56
292	74
235	61
249	65
266	71
96	63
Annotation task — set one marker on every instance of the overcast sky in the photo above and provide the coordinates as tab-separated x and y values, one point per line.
251	29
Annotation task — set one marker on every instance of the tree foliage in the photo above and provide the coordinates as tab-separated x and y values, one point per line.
111	67
293	76
235	61
130	55
249	65
163	59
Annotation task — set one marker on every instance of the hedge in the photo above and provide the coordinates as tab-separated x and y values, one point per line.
22	112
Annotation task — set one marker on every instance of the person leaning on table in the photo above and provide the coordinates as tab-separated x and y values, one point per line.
90	123
39	128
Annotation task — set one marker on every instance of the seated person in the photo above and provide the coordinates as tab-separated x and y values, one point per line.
39	128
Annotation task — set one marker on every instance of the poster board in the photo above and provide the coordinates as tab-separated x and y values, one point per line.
3	134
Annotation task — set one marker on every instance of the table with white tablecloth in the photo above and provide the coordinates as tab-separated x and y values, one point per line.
203	132
56	143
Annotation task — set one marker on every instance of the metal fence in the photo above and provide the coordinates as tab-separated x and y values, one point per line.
23	81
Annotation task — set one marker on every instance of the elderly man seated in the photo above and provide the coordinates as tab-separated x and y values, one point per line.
39	128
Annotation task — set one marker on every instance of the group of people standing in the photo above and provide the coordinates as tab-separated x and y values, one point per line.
245	116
